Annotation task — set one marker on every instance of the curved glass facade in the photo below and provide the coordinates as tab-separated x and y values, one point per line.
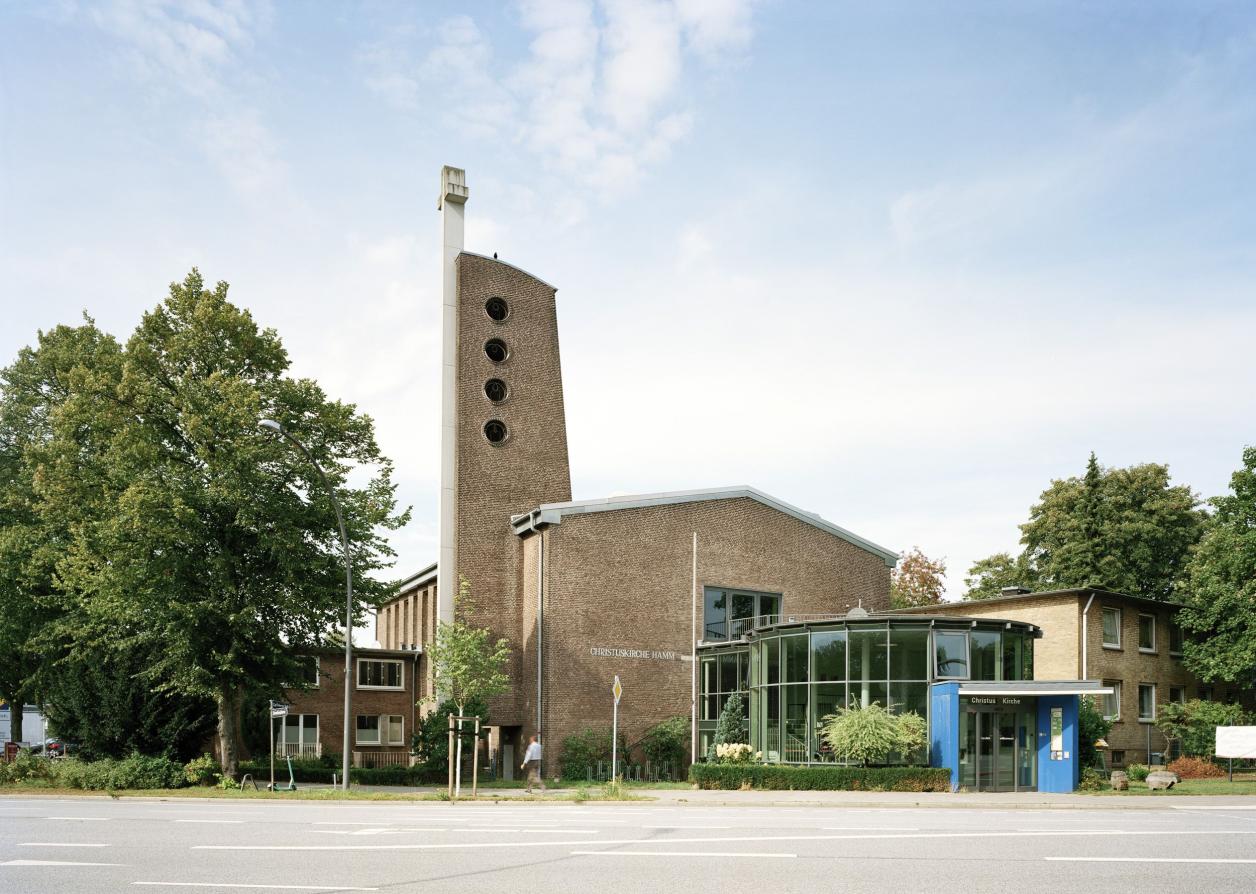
799	673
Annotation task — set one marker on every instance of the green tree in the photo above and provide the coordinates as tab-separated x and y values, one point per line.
917	580
666	743
987	577
466	663
1127	530
1194	724
730	727
217	551
1219	620
431	743
34	391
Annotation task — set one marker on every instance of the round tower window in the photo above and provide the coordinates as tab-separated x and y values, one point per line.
495	431
496	390
497	309
495	349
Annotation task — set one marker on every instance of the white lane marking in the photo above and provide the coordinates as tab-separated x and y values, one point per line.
683	854
216	822
374	831
53	863
253	887
537	831
1064	833
1147	860
1212	807
1093	831
87	819
684	826
872	828
58	844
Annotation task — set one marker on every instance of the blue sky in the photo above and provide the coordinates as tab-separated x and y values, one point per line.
899	264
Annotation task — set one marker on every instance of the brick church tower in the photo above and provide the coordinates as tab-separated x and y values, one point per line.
504	429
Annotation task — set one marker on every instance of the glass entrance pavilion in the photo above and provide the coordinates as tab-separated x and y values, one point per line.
794	671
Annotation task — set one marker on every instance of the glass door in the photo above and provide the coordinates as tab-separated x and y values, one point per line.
1005	751
986	750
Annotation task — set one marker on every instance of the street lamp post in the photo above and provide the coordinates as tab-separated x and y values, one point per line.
274	426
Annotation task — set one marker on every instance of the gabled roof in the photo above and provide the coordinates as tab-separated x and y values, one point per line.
553	513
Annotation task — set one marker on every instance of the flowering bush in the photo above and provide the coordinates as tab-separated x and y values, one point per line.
733	753
1195	768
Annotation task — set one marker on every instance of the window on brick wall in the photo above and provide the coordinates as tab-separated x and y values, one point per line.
1146	633
296	732
1112	628
380	674
1146	702
1112	703
1177	695
383	729
1175	638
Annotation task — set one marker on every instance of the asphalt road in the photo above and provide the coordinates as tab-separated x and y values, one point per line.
94	845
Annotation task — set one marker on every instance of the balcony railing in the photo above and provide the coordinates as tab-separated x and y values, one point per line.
293	750
383	759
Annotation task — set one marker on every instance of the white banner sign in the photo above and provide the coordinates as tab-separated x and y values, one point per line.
1236	741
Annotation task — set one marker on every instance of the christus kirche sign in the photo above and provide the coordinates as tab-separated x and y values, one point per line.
987	700
646	654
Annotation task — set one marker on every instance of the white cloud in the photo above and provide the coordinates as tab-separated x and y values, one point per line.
192	49
600	95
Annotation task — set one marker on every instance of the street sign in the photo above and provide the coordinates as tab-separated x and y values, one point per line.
278	710
617	690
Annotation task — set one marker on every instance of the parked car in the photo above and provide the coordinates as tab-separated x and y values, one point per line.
56	748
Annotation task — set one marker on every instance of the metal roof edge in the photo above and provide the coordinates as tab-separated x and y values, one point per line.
552	513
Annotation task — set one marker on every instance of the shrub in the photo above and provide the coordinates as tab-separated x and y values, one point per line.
138	772
1195	768
868	734
203	770
1137	772
735	753
667	743
430	743
783	777
581	751
1091	727
28	767
1091	780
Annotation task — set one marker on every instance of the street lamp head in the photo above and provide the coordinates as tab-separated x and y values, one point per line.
270	424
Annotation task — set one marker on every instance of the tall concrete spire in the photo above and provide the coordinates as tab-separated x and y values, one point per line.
452	206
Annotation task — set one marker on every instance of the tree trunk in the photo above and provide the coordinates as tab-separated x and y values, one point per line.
15	717
229	701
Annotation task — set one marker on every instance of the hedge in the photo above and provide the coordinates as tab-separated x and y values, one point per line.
782	777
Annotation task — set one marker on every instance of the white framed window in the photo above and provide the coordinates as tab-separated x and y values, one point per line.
1112	703
380	729
1175	638
300	730
380	673
368	729
1111	628
1146	633
392	729
1146	702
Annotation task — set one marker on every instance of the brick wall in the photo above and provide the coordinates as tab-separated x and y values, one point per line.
623	580
530	467
327	701
1057	654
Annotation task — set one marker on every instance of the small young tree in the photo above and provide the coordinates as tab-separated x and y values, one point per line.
467	665
1194	724
729	729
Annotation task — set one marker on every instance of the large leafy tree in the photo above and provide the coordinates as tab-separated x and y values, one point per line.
1128	530
917	580
217	552
1220	615
34	390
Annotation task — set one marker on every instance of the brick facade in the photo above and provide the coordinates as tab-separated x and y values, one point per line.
327	701
1058	655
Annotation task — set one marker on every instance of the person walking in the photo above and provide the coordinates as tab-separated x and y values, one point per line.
532	764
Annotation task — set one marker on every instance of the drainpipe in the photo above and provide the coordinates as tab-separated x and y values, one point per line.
693	657
540	625
1086	636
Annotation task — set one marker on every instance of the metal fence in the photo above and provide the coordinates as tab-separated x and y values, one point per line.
372	759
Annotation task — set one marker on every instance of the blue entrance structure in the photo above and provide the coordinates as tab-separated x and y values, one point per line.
1008	736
